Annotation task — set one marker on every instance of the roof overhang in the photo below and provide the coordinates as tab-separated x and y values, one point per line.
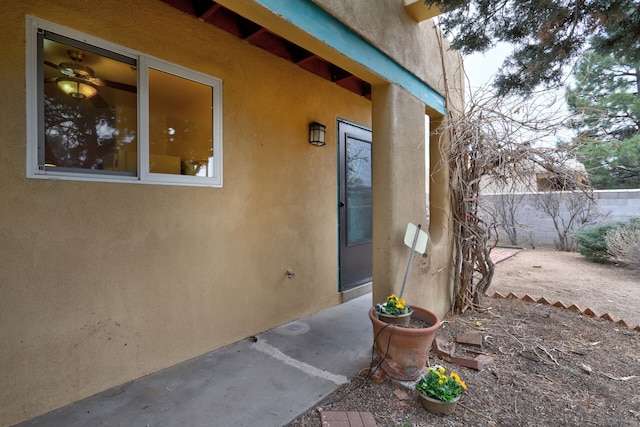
420	11
318	41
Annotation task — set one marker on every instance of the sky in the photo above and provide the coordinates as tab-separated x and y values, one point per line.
481	67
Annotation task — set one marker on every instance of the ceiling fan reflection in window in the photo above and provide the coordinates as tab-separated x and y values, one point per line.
79	81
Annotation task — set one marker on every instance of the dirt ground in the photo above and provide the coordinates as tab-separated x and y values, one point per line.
551	366
570	278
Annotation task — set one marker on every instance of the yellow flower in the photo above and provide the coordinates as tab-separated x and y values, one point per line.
457	379
441	381
392	298
442	370
400	304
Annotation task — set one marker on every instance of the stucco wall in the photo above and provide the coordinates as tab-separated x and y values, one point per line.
400	197
422	50
387	25
102	283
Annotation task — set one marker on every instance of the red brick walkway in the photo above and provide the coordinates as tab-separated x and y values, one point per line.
500	254
347	419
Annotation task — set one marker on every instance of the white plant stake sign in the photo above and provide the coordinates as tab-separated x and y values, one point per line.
417	240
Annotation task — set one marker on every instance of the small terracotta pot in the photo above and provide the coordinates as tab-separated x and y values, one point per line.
404	351
436	406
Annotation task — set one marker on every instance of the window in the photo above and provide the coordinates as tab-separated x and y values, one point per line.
98	111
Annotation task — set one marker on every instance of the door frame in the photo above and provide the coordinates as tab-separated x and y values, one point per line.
357	255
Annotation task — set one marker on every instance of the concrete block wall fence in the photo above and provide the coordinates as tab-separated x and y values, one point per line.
536	228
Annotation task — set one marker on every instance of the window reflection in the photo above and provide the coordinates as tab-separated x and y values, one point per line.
359	196
180	125
90	109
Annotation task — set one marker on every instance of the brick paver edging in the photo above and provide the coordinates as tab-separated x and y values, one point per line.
573	307
347	419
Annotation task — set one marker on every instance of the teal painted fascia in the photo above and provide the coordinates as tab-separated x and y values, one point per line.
324	27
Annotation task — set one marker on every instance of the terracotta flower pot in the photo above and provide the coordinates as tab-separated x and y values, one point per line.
436	406
404	351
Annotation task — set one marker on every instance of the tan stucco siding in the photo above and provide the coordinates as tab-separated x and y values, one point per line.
105	282
391	28
102	282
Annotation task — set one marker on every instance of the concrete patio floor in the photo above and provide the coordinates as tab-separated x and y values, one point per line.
269	382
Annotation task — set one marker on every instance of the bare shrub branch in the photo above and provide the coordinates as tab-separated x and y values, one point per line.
498	145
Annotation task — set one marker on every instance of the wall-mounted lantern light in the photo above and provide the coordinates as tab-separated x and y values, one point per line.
316	134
